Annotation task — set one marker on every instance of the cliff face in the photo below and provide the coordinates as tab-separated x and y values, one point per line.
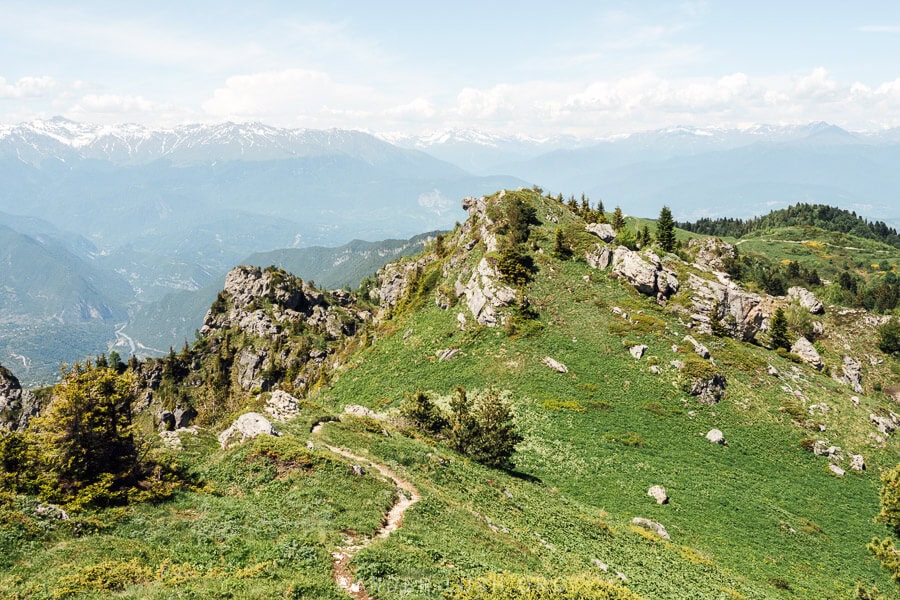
17	406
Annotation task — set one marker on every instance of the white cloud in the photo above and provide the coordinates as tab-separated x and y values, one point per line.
27	87
417	109
114	103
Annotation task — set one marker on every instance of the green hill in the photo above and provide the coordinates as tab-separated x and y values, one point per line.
493	308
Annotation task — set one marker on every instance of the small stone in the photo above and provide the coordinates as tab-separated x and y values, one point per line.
638	351
655	369
658	492
621	575
600	564
358	470
716	437
773	371
359	411
555	365
857	463
839	472
652	526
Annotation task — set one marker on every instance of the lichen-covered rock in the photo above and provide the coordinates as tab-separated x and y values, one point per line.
653	526
887	424
395	279
599	257
807	353
247	426
850	373
806	299
645	272
604	231
17	406
710	253
360	411
739	312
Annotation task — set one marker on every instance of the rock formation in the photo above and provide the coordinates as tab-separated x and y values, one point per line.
17	406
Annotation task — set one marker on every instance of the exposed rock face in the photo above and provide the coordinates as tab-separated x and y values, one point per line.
17	406
555	365
604	231
247	426
658	493
179	418
645	272
599	257
711	254
741	313
485	293
807	300
395	279
851	374
715	436
653	526
808	353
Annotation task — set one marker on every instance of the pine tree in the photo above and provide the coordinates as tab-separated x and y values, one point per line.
665	230
779	331
561	249
618	220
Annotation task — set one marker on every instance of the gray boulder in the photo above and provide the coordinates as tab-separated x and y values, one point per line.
604	231
645	272
711	254
715	436
658	493
806	299
599	257
850	374
838	472
740	313
857	463
555	365
807	353
247	426
638	351
281	406
701	350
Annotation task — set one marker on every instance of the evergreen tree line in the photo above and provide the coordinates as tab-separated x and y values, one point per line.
825	217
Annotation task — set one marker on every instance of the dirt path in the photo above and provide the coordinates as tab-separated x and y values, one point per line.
407	496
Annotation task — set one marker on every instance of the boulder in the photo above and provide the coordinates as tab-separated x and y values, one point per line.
716	437
653	526
740	313
711	254
645	272
281	406
884	424
701	350
247	426
555	365
638	351
850	374
709	390
604	231
658	493
807	353
857	463
806	299
599	257
838	472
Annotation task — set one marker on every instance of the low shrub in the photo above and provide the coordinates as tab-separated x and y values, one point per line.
509	586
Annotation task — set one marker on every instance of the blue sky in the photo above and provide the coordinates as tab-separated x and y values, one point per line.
532	68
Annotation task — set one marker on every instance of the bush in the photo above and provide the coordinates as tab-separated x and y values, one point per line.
484	430
884	550
421	412
779	330
889	337
509	586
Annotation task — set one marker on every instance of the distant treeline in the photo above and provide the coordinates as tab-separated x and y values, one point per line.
825	217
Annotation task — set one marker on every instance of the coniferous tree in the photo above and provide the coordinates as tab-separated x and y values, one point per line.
779	331
561	248
618	220
665	230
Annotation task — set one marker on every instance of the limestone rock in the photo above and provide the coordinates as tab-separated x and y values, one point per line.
807	299
395	279
359	411
851	374
740	313
653	526
772	371
839	472
658	493
884	424
485	293
247	426
358	470
808	353
50	511
604	231
599	257
638	351
710	253
709	390
281	406
716	437
857	463
701	350
645	272
17	406
555	365
600	564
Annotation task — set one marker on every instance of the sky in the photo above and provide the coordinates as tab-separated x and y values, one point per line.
526	68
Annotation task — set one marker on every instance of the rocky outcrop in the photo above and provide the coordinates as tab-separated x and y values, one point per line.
178	418
857	462
806	299
281	406
247	426
886	424
850	374
395	279
807	353
485	293
17	406
599	257
604	231
739	312
645	272
711	254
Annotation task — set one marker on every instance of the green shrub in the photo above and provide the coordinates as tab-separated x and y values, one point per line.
629	438
509	586
570	405
889	337
485	430
421	412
